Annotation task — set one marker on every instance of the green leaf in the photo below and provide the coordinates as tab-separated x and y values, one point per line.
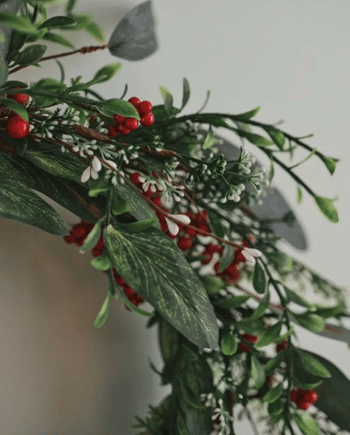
21	24
185	92
169	340
82	21
181	426
327	208
168	100
205	102
273	363
33	37
227	257
312	364
281	261
19	203
103	313
310	321
96	31
101	262
296	298
285	335
160	114
15	107
156	269
258	372
106	73
306	423
216	225
276	407
299	194
58	39
115	105
326	312
228	343
259	311
269	336
250	114
4	72
232	302
259	278
135	227
212	284
31	54
210	139
93	237
57	22
255	139
70	6
55	162
330	163
276	135
271	172
133	307
119	205
273	394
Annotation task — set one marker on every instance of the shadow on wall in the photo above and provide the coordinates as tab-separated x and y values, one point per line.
58	374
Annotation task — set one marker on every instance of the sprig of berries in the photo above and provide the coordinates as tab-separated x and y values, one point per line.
251	339
303	398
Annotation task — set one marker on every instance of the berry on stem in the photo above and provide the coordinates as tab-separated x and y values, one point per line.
20	98
147	120
311	396
303	405
184	243
131	123
17	127
134	101
118	118
145	107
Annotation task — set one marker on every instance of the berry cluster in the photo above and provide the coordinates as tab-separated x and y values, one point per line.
251	339
124	125
77	236
303	398
281	346
17	127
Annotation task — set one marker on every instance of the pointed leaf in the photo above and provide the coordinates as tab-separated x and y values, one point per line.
269	336
272	395
232	302
185	92
299	195
93	237
258	372
58	39
96	31
276	135
259	278
4	72
306	423
167	98
103	313
115	105
31	54
227	257
296	298
255	139
330	162
101	262
327	208
310	321
210	139
16	22
134	37
119	205
273	363
16	107
312	364
106	72
212	284
135	227
250	114
57	22
156	269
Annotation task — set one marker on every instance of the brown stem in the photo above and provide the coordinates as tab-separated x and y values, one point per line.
258	298
82	50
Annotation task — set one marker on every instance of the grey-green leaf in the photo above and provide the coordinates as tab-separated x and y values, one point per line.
134	37
31	54
156	269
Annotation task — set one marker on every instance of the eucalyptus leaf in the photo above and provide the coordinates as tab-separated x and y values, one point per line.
134	37
161	271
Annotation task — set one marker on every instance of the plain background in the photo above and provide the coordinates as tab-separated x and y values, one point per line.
59	375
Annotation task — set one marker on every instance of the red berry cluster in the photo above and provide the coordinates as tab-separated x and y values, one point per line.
282	345
303	398
124	125
251	339
17	127
77	236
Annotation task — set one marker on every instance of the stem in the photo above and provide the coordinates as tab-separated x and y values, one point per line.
251	421
82	50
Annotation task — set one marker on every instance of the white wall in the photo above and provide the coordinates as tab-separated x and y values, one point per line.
290	58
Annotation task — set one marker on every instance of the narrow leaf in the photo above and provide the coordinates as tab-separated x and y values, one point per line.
276	135
306	423
103	313
135	227
259	279
299	194
93	237
312	365
185	92
250	114
210	139
255	139
310	321
327	208
167	98
15	107
21	24
227	257
258	372
296	298
212	284
101	262
269	336
330	163
115	105
107	72
96	31
273	363
57	22
31	54
58	39
233	301
272	395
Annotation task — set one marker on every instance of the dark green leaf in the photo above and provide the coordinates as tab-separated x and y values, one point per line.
3	71
119	205
258	372
205	102
82	22
250	114
160	114
276	135
210	139
216	225
296	298
21	24
274	362
259	278
255	139
134	37
306	423
327	208
31	54
215	120
280	260
259	311
269	336
285	335
135	227
276	407
58	39
33	37
330	162
156	269
185	92
93	237
60	66
57	22
228	343
181	426
169	340
227	257
273	394
212	284
19	203
101	262
15	107
310	321
70	6
232	302
168	100
115	105
312	364
103	313
106	72
326	312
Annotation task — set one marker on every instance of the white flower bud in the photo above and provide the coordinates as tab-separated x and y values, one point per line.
85	175
96	164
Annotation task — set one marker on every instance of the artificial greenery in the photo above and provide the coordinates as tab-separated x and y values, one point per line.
170	212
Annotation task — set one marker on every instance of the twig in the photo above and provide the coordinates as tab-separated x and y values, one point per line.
251	421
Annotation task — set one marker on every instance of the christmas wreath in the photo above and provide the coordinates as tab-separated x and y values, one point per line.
177	217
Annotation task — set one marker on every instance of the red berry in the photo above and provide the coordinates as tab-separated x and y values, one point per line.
112	131
96	252
244	347
190	231
135	178
207	259
147	120
216	266
118	118
311	396
128	291
204	227
100	244
157	200
211	248
20	98
145	107
17	127
184	243
134	101
303	405
69	238
281	346
79	231
122	129
233	271
293	395
251	338
270	379
131	123
92	117
239	257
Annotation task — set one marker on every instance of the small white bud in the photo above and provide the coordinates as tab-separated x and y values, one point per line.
85	175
